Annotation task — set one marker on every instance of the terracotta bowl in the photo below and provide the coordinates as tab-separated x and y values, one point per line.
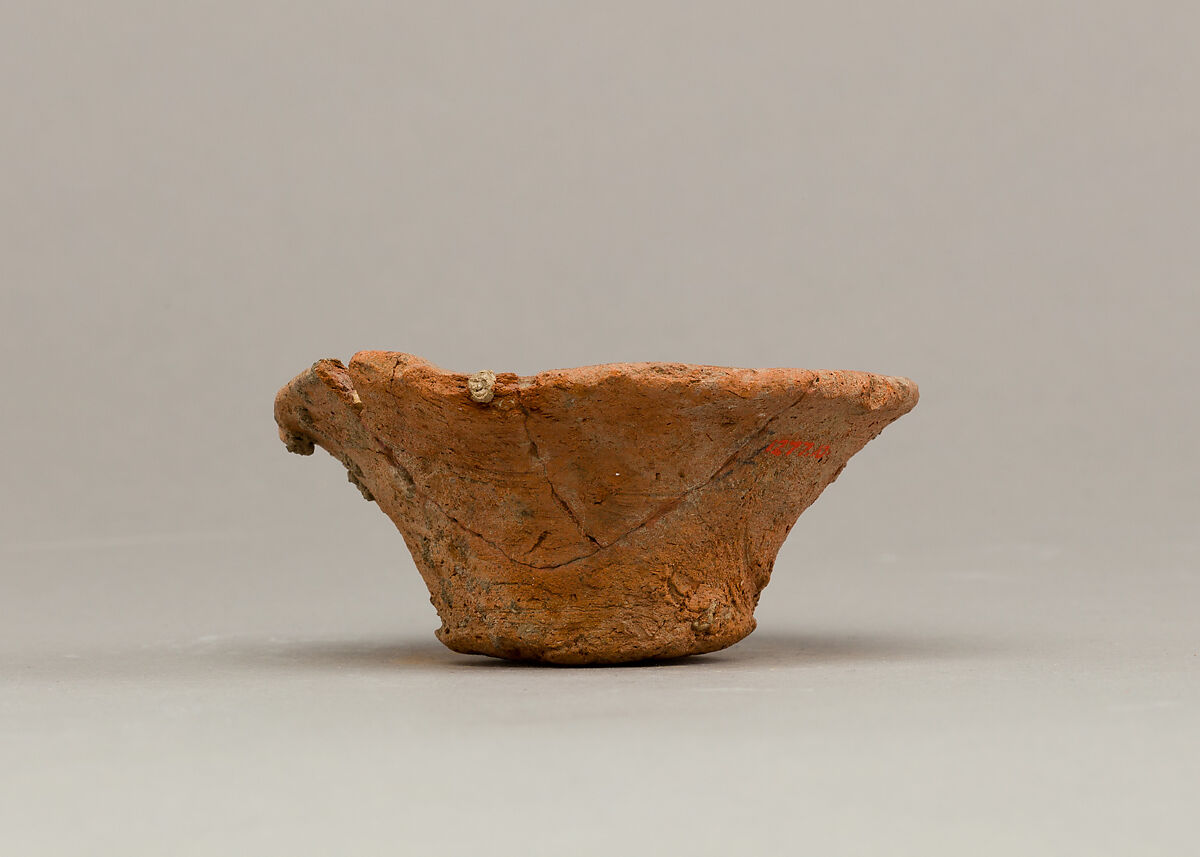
594	515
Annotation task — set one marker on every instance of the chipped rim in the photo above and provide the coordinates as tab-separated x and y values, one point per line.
884	389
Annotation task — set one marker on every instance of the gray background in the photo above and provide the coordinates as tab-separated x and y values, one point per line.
983	639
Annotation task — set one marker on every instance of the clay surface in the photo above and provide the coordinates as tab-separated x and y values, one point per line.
594	515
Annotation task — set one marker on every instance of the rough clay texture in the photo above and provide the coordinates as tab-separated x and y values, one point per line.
594	515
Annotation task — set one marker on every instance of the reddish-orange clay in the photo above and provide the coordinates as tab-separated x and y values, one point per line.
596	515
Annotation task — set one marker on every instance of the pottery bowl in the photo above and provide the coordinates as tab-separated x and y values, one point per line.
594	515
